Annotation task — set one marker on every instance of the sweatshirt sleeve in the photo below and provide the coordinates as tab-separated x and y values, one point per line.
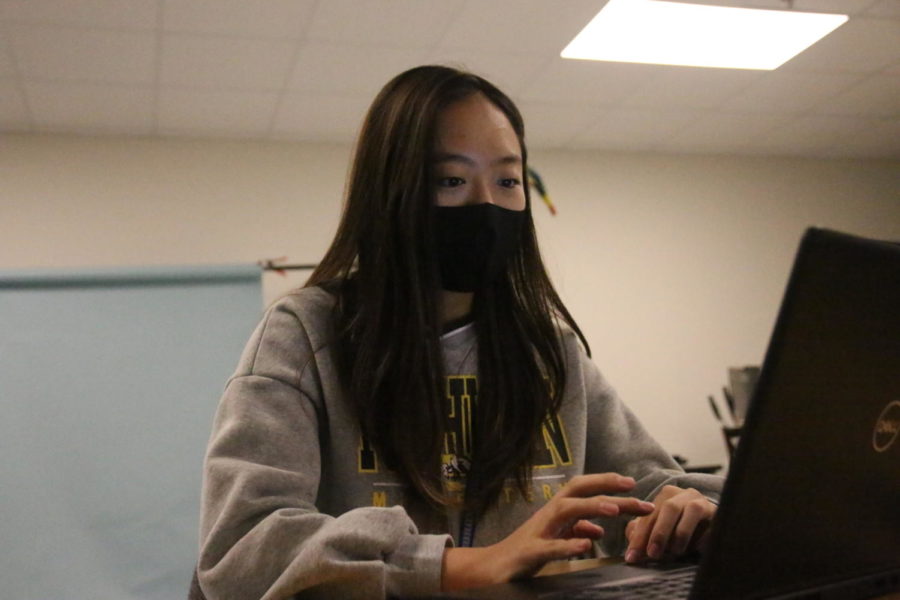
617	442
261	533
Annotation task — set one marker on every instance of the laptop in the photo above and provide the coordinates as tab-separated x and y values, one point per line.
811	505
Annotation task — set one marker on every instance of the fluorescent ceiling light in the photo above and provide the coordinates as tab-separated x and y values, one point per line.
699	35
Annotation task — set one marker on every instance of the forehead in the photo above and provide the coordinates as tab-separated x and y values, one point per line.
477	125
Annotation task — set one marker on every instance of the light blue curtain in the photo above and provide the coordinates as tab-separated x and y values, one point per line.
109	381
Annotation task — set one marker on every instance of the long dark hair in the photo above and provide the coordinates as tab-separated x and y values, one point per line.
382	265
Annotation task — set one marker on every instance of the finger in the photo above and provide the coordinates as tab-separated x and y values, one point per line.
637	542
536	556
565	513
570	510
695	513
633	506
597	483
629	528
559	549
586	529
574	509
667	518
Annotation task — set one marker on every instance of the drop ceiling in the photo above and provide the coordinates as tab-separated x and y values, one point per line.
307	69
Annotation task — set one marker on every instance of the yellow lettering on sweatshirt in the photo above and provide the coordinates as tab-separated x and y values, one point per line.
555	450
548	493
462	393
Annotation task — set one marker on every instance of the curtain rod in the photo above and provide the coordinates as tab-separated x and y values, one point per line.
269	265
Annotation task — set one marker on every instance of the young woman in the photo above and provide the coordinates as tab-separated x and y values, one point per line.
423	414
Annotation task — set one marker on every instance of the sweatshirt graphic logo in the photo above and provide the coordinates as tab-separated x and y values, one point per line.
887	427
462	394
367	460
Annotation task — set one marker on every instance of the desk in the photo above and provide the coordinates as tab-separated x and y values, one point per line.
570	566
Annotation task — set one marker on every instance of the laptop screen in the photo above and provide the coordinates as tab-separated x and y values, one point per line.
814	490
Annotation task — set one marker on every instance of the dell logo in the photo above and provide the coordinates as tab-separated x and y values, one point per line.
887	427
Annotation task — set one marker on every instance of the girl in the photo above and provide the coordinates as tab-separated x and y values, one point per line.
423	414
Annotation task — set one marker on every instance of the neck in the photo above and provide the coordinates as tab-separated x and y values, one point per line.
455	309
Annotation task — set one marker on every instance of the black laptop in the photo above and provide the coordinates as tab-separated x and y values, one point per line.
811	506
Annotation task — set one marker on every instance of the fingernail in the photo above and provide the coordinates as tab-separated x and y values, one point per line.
653	551
631	556
648	506
626	480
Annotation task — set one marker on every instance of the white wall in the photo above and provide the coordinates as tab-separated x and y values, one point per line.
673	265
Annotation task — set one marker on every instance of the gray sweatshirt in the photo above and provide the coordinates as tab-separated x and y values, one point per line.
295	501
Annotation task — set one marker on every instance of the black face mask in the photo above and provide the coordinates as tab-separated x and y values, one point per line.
474	244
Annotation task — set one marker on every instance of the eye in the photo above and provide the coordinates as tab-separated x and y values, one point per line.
451	182
509	182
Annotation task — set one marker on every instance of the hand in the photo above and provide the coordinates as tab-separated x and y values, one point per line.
679	523
558	530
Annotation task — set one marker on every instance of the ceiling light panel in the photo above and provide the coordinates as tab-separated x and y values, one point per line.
699	35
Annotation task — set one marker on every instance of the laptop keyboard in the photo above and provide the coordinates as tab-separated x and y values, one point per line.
670	585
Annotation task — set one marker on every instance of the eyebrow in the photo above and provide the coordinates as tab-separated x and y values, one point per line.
443	157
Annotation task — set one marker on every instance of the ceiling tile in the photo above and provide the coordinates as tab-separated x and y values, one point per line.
225	62
272	18
413	23
861	45
7	68
201	112
594	83
125	14
319	117
739	129
536	26
633	129
884	8
691	87
334	55
510	72
850	7
554	125
70	54
91	107
769	4
789	91
342	69
812	135
877	96
14	114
